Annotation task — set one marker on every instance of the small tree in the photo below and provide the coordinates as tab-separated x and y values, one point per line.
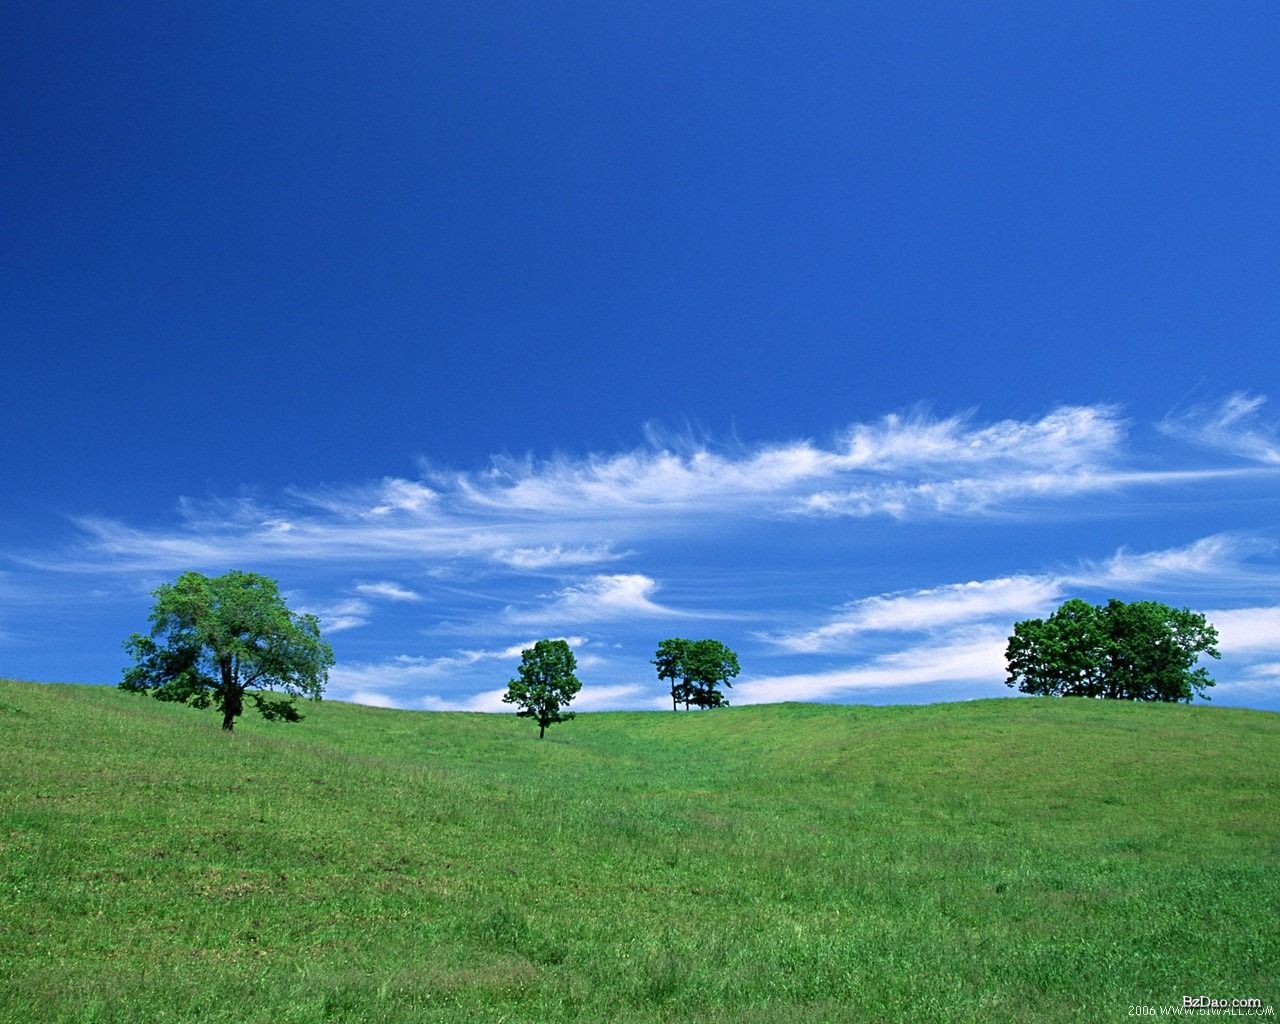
215	641
1139	651
670	660
696	669
545	684
708	665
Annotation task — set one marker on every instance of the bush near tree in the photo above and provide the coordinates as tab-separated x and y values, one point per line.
215	642
1138	651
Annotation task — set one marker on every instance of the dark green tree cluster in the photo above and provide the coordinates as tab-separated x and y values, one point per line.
217	642
1139	651
695	670
545	683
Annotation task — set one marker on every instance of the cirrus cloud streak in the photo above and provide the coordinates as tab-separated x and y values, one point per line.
563	513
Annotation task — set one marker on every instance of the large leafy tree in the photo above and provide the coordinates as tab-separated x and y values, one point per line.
544	684
1143	650
696	670
215	642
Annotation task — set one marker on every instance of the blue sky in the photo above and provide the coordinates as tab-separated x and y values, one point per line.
849	336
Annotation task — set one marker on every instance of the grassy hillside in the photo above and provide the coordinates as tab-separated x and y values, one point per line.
1052	860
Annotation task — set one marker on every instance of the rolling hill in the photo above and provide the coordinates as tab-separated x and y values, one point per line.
1021	859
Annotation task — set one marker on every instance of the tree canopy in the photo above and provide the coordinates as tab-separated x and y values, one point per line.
695	670
215	641
545	683
1138	651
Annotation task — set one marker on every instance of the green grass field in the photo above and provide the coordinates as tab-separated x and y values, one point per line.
1005	860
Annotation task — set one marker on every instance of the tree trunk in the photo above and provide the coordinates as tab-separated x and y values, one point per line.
232	700
542	729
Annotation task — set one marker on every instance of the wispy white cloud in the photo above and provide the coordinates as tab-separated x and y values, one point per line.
555	514
603	597
1260	680
642	481
406	671
975	655
997	491
1235	425
380	499
1067	437
388	591
608	698
555	556
589	698
341	615
403	496
226	534
1219	558
1213	561
516	650
1248	631
1205	555
931	609
372	698
489	701
406	675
